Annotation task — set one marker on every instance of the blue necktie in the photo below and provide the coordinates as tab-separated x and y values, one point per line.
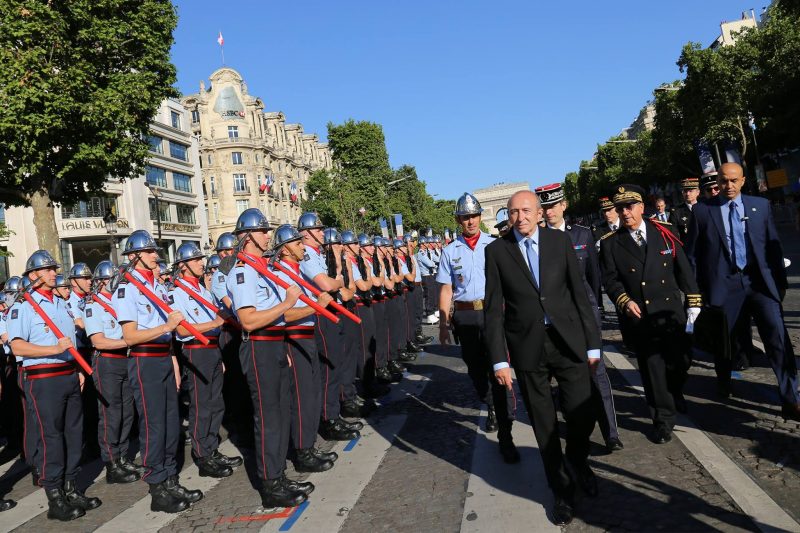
738	251
533	261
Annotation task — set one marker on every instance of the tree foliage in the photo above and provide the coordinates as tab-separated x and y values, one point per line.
79	82
362	178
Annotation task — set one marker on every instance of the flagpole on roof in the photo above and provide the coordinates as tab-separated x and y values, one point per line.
221	43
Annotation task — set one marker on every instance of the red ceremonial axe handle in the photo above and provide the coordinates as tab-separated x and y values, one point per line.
278	281
57	332
211	307
339	307
164	307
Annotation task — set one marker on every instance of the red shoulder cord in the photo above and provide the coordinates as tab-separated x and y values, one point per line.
667	235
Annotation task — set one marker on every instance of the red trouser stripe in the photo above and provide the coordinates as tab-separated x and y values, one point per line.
146	423
103	405
196	409
260	407
43	472
299	406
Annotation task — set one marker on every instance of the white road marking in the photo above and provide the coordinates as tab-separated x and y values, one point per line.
762	509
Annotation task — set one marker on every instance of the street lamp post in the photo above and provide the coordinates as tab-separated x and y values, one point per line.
110	221
154	191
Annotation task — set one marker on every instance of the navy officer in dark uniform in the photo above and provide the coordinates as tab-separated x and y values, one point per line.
551	198
682	214
645	270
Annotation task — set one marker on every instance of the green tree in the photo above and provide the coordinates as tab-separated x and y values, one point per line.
672	151
79	82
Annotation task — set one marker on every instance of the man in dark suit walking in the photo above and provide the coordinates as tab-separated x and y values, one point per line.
734	248
644	272
545	318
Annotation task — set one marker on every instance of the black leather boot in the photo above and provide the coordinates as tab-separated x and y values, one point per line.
491	421
179	491
332	430
164	501
208	467
116	473
275	494
306	461
396	367
325	456
351	410
407	357
131	466
5	505
352	426
59	509
412	347
383	375
226	460
34	476
306	487
76	498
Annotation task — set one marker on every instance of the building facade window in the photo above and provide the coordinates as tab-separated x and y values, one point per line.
195	116
178	151
96	207
66	256
213	182
240	183
175	119
216	213
236	158
2	214
233	132
242	205
182	182
156	176
156	144
163	210
185	214
209	159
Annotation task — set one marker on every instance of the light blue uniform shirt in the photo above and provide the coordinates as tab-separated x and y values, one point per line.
425	264
193	311
76	306
313	264
24	323
307	321
98	320
4	329
464	268
219	286
133	306
248	288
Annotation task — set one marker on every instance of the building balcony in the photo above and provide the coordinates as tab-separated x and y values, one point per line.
242	192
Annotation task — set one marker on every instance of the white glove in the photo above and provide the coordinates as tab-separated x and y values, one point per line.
691	316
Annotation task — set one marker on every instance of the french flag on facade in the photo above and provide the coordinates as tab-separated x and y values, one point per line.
293	192
266	185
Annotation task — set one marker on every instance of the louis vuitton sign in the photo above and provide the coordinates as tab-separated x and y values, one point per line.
89	224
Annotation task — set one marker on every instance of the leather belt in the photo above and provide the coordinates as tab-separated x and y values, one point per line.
150	350
49	370
213	342
300	332
474	305
119	353
271	333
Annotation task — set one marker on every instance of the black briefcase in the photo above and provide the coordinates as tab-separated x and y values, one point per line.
711	332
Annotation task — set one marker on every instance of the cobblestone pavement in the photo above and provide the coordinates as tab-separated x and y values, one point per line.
421	482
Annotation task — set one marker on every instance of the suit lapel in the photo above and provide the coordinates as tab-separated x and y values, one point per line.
753	219
654	240
513	248
716	216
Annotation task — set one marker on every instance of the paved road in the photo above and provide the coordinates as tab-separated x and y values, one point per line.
424	464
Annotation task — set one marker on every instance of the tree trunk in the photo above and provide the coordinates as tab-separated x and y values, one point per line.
44	220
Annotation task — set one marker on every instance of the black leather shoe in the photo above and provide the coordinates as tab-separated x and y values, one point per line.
226	460
275	494
423	340
661	435
397	377
383	375
325	456
509	452
162	500
306	461
125	463
680	403
352	426
332	430
413	347
208	467
116	474
306	487
562	512
5	505
790	411
58	508
351	410
77	498
407	357
491	421
614	445
395	367
586	479
179	491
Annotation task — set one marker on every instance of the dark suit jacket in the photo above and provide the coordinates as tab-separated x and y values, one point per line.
514	308
710	256
653	278
583	244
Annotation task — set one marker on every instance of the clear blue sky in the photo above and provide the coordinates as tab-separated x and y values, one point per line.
469	92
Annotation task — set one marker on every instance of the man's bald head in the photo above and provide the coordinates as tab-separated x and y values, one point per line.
529	195
730	180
